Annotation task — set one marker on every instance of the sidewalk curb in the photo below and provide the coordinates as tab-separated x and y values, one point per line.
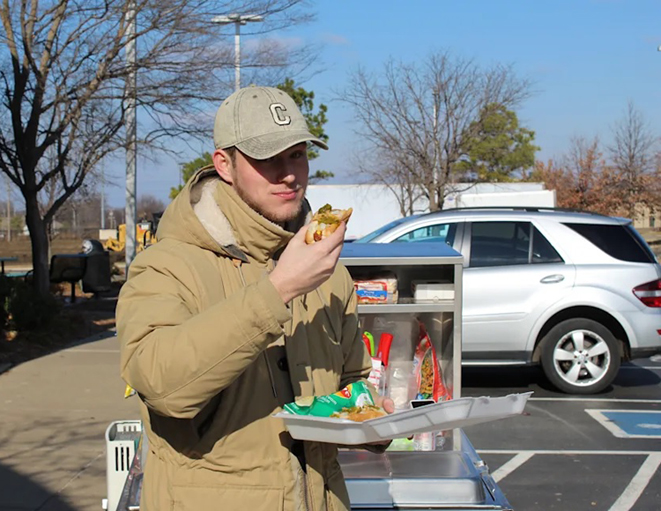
92	338
6	366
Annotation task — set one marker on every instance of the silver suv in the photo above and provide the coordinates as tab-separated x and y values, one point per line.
577	292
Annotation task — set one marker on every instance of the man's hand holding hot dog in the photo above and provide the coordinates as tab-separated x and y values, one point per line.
302	267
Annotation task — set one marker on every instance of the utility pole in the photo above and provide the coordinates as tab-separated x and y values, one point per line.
131	136
437	151
238	20
8	209
103	195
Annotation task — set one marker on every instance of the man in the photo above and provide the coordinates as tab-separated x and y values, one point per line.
231	315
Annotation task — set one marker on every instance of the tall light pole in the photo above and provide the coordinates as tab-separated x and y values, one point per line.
131	138
238	20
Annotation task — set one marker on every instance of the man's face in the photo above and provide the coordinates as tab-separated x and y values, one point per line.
274	187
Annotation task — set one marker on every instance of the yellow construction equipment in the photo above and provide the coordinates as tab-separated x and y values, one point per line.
145	235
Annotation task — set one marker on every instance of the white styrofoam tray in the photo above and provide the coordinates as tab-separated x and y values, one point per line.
457	413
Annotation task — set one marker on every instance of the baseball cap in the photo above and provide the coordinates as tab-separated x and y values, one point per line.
261	122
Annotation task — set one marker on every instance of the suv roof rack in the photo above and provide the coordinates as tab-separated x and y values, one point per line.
532	209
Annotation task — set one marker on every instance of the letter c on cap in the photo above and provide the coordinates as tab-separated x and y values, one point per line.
278	117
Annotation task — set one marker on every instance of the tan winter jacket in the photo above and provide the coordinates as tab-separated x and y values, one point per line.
200	324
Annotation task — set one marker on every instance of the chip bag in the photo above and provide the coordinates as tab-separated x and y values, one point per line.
427	370
354	395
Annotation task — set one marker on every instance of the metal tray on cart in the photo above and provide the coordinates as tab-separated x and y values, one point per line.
446	479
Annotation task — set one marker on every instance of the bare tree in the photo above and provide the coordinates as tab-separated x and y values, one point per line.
633	158
63	73
419	117
403	186
583	180
590	184
148	205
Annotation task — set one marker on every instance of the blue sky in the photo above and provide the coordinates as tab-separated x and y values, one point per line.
586	58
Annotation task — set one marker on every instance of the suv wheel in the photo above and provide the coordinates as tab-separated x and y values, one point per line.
580	356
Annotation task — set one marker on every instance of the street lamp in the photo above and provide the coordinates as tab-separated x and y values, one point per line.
238	20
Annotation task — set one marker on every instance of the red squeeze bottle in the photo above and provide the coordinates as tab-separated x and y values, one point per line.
385	341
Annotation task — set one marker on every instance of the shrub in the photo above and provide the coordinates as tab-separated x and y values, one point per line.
6	287
28	309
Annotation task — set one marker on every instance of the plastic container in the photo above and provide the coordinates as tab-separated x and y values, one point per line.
442	416
121	440
400	384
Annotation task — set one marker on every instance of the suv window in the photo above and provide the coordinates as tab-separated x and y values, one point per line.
542	250
509	243
619	241
437	233
374	234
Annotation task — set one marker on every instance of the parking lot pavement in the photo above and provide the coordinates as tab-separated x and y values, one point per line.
572	452
555	456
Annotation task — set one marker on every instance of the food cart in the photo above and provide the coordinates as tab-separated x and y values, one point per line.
411	294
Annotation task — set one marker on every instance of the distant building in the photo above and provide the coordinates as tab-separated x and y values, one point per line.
647	219
57	227
375	205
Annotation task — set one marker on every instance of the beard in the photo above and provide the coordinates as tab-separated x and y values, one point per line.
276	218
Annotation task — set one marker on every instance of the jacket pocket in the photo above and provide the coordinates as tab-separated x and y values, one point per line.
253	498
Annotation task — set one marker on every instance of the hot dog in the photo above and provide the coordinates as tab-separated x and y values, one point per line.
360	413
325	222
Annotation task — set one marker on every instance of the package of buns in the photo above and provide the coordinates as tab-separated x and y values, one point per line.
378	290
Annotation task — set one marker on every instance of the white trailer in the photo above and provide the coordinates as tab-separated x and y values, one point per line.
375	205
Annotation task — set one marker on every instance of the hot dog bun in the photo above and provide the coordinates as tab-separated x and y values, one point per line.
325	222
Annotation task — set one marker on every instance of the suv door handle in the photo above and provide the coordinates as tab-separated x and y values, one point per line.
552	279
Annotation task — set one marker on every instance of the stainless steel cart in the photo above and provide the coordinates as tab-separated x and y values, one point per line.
452	476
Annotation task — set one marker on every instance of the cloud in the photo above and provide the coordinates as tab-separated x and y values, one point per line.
336	39
544	70
652	40
291	43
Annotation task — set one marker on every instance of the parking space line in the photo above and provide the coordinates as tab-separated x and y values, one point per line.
569	452
596	400
605	422
511	465
638	484
629	423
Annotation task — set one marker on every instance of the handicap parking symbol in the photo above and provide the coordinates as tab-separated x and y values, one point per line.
630	423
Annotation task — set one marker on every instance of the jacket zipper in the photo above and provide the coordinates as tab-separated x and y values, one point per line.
306	490
306	499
